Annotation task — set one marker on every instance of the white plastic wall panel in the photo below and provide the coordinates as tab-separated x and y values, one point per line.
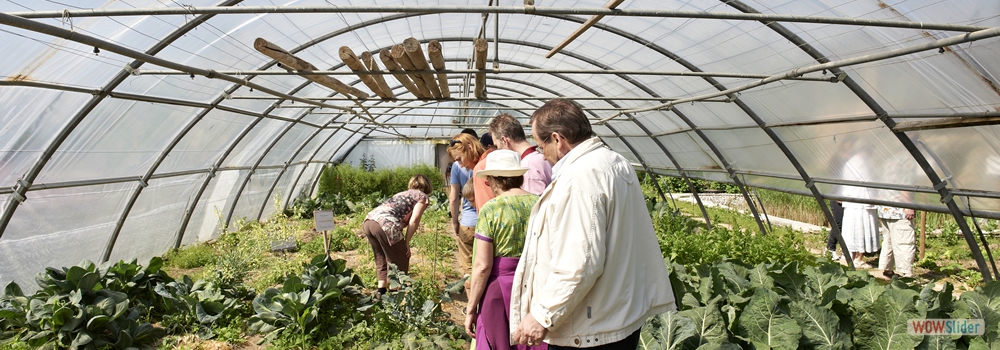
969	157
660	121
933	83
202	146
220	43
305	184
281	188
774	182
312	146
225	192
60	227
624	128
341	153
204	223
326	152
734	46
151	226
751	150
255	194
713	114
287	188
258	104
41	58
390	153
649	151
29	121
865	152
118	138
285	148
688	151
716	176
254	143
796	101
618	145
320	119
178	87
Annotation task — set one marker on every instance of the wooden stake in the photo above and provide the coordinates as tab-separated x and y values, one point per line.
404	79
923	233
480	48
294	63
369	61
412	48
399	54
437	59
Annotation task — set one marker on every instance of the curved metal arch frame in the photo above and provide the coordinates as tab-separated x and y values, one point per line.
679	169
756	119
631	149
28	178
946	196
274	185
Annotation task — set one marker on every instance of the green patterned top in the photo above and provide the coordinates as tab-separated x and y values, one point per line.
503	221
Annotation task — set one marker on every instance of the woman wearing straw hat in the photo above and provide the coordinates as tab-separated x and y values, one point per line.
499	237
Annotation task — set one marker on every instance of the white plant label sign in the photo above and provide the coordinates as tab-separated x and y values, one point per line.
324	220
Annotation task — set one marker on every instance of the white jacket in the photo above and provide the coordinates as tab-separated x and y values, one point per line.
591	271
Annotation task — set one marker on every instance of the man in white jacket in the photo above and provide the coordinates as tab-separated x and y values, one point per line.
591	272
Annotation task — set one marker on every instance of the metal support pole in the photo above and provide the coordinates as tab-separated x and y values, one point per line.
946	196
533	10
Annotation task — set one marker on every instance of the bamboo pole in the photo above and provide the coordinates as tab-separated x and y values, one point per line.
288	60
351	60
586	25
399	54
372	65
437	59
480	48
404	79
412	48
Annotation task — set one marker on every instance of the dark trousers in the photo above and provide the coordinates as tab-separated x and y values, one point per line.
385	253
838	215
630	342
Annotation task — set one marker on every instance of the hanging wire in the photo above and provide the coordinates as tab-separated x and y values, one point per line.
982	237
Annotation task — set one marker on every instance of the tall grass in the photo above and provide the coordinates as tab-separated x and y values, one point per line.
355	182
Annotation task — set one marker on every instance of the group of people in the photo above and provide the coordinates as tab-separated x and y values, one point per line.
862	224
556	239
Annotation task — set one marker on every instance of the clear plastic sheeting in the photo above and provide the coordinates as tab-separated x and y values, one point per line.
151	227
388	154
883	102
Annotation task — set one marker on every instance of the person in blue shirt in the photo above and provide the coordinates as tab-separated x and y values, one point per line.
466	150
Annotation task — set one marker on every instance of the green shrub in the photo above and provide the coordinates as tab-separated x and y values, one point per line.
682	241
83	306
190	257
355	183
789	306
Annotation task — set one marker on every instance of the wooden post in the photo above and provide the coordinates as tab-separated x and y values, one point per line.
412	48
369	61
294	63
923	233
399	54
437	59
404	79
479	55
352	62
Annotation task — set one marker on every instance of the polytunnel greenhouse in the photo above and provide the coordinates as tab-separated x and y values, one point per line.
132	128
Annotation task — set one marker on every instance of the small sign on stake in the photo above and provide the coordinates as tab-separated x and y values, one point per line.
324	222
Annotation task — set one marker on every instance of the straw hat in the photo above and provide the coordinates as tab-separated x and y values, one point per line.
502	163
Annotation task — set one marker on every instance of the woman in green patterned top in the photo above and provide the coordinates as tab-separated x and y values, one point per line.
500	230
